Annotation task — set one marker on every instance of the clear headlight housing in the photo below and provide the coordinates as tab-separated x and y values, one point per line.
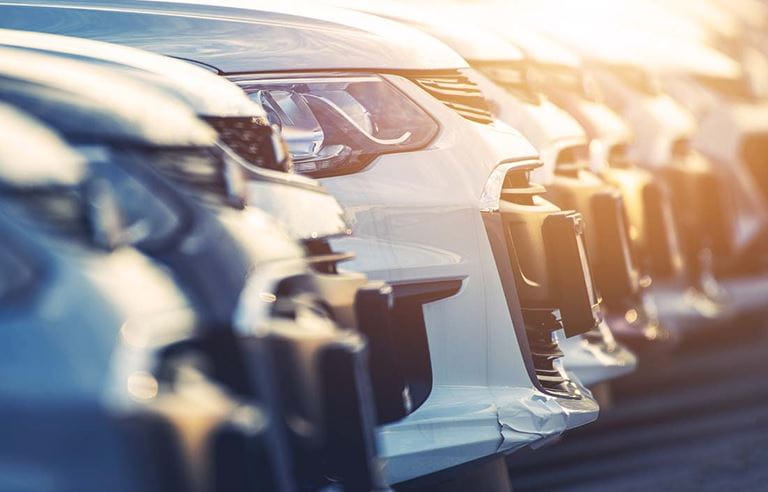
337	124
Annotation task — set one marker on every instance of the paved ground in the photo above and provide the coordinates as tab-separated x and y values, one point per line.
695	420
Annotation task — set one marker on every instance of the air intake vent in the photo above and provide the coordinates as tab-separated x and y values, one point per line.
517	187
458	93
540	257
545	353
253	140
572	160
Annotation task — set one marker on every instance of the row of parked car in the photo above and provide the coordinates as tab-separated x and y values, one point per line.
306	247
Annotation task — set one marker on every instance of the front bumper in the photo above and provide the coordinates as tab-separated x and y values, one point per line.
416	219
461	423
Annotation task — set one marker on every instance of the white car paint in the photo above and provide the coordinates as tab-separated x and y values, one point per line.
417	216
549	128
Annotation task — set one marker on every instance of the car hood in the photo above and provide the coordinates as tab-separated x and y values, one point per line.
232	38
87	103
598	120
444	22
540	48
206	92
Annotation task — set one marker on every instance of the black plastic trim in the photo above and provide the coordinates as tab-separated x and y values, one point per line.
409	331
494	227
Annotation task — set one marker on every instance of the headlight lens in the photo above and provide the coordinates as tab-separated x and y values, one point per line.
338	124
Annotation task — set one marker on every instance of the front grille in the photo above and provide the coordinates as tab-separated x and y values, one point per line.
699	202
517	187
458	93
252	139
514	78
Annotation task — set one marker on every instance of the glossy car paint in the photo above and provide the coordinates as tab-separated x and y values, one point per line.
431	228
549	128
317	36
199	88
552	131
725	125
89	297
72	88
415	216
546	126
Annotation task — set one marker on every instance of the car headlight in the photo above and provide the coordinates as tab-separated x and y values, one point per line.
337	124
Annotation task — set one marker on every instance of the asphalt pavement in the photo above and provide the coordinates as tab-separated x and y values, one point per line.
692	419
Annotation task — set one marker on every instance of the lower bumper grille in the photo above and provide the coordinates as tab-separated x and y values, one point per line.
545	353
541	259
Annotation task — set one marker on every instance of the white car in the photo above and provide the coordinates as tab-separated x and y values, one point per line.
597	356
415	157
